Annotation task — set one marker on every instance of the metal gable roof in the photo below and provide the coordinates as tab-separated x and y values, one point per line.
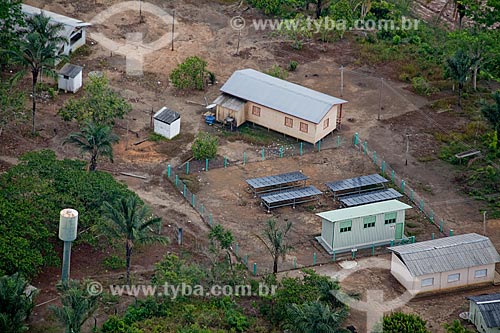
363	210
280	95
166	115
30	10
70	70
489	306
447	254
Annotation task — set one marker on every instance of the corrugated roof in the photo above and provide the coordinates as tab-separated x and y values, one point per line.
489	305
447	254
166	115
70	70
281	95
364	210
30	10
230	102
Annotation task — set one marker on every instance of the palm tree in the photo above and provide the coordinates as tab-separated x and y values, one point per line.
96	140
275	241
77	305
130	220
15	304
458	67
492	112
35	53
315	317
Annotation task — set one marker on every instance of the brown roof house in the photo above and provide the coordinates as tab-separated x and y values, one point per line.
285	107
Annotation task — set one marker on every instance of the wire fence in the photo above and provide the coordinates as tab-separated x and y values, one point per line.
177	176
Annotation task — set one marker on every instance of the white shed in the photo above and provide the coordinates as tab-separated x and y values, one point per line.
167	123
70	78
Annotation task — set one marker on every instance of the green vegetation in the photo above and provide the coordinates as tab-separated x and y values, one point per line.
275	240
277	71
10	18
456	327
99	105
16	304
12	102
33	193
205	146
191	74
399	322
292	65
114	262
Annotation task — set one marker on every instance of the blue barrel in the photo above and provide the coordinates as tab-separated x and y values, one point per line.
210	120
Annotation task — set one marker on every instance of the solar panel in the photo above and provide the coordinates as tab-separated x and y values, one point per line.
294	194
274	180
357	182
369	197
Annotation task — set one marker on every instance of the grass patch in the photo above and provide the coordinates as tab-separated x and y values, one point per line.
255	135
155	137
191	181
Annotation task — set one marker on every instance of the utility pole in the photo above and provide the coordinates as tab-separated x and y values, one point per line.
380	98
173	28
238	45
140	12
126	142
407	147
484	223
341	80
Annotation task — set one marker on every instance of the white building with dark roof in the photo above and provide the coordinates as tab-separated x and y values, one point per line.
285	107
70	78
167	123
484	312
445	263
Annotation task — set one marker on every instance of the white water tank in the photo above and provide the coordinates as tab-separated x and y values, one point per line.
68	224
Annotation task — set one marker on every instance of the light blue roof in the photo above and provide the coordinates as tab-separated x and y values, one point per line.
280	95
363	210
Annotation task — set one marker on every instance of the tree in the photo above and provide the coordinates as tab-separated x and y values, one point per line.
275	240
11	17
190	74
96	140
36	53
100	104
11	102
315	317
15	303
204	146
492	113
220	240
399	322
77	305
456	327
129	219
458	67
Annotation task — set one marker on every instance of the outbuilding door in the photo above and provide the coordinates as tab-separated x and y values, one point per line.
399	231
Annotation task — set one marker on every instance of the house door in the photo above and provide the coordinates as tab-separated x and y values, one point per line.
399	231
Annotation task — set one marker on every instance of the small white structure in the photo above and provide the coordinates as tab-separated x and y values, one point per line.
444	263
167	123
484	312
70	78
73	31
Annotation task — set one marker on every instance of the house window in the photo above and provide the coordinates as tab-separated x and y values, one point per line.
326	123
304	127
480	273
256	111
369	221
454	277
288	122
346	226
390	218
427	282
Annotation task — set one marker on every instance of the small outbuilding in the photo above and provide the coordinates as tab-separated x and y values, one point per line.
167	123
445	263
484	312
362	226
70	78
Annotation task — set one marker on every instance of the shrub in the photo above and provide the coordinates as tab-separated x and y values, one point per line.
399	322
114	262
292	66
422	86
190	74
205	146
277	71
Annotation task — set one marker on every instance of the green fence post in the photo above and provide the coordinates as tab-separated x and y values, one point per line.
383	166
210	219
393	176
300	149
314	258
187	168
295	262
392	242
365	147
263	154
421	205
411	195
176	181
403	186
356	139
431	217
373	249
353	254
451	232
282	150
338	141
225	162
374	157
202	209
413	239
168	170
334	256
441	226
184	192
193	202
319	145
236	248
244	157
245	260
206	164
254	268
432	235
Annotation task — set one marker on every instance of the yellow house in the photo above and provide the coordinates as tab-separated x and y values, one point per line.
279	105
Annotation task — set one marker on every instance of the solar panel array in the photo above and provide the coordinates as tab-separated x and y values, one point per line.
294	194
369	197
353	183
275	180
